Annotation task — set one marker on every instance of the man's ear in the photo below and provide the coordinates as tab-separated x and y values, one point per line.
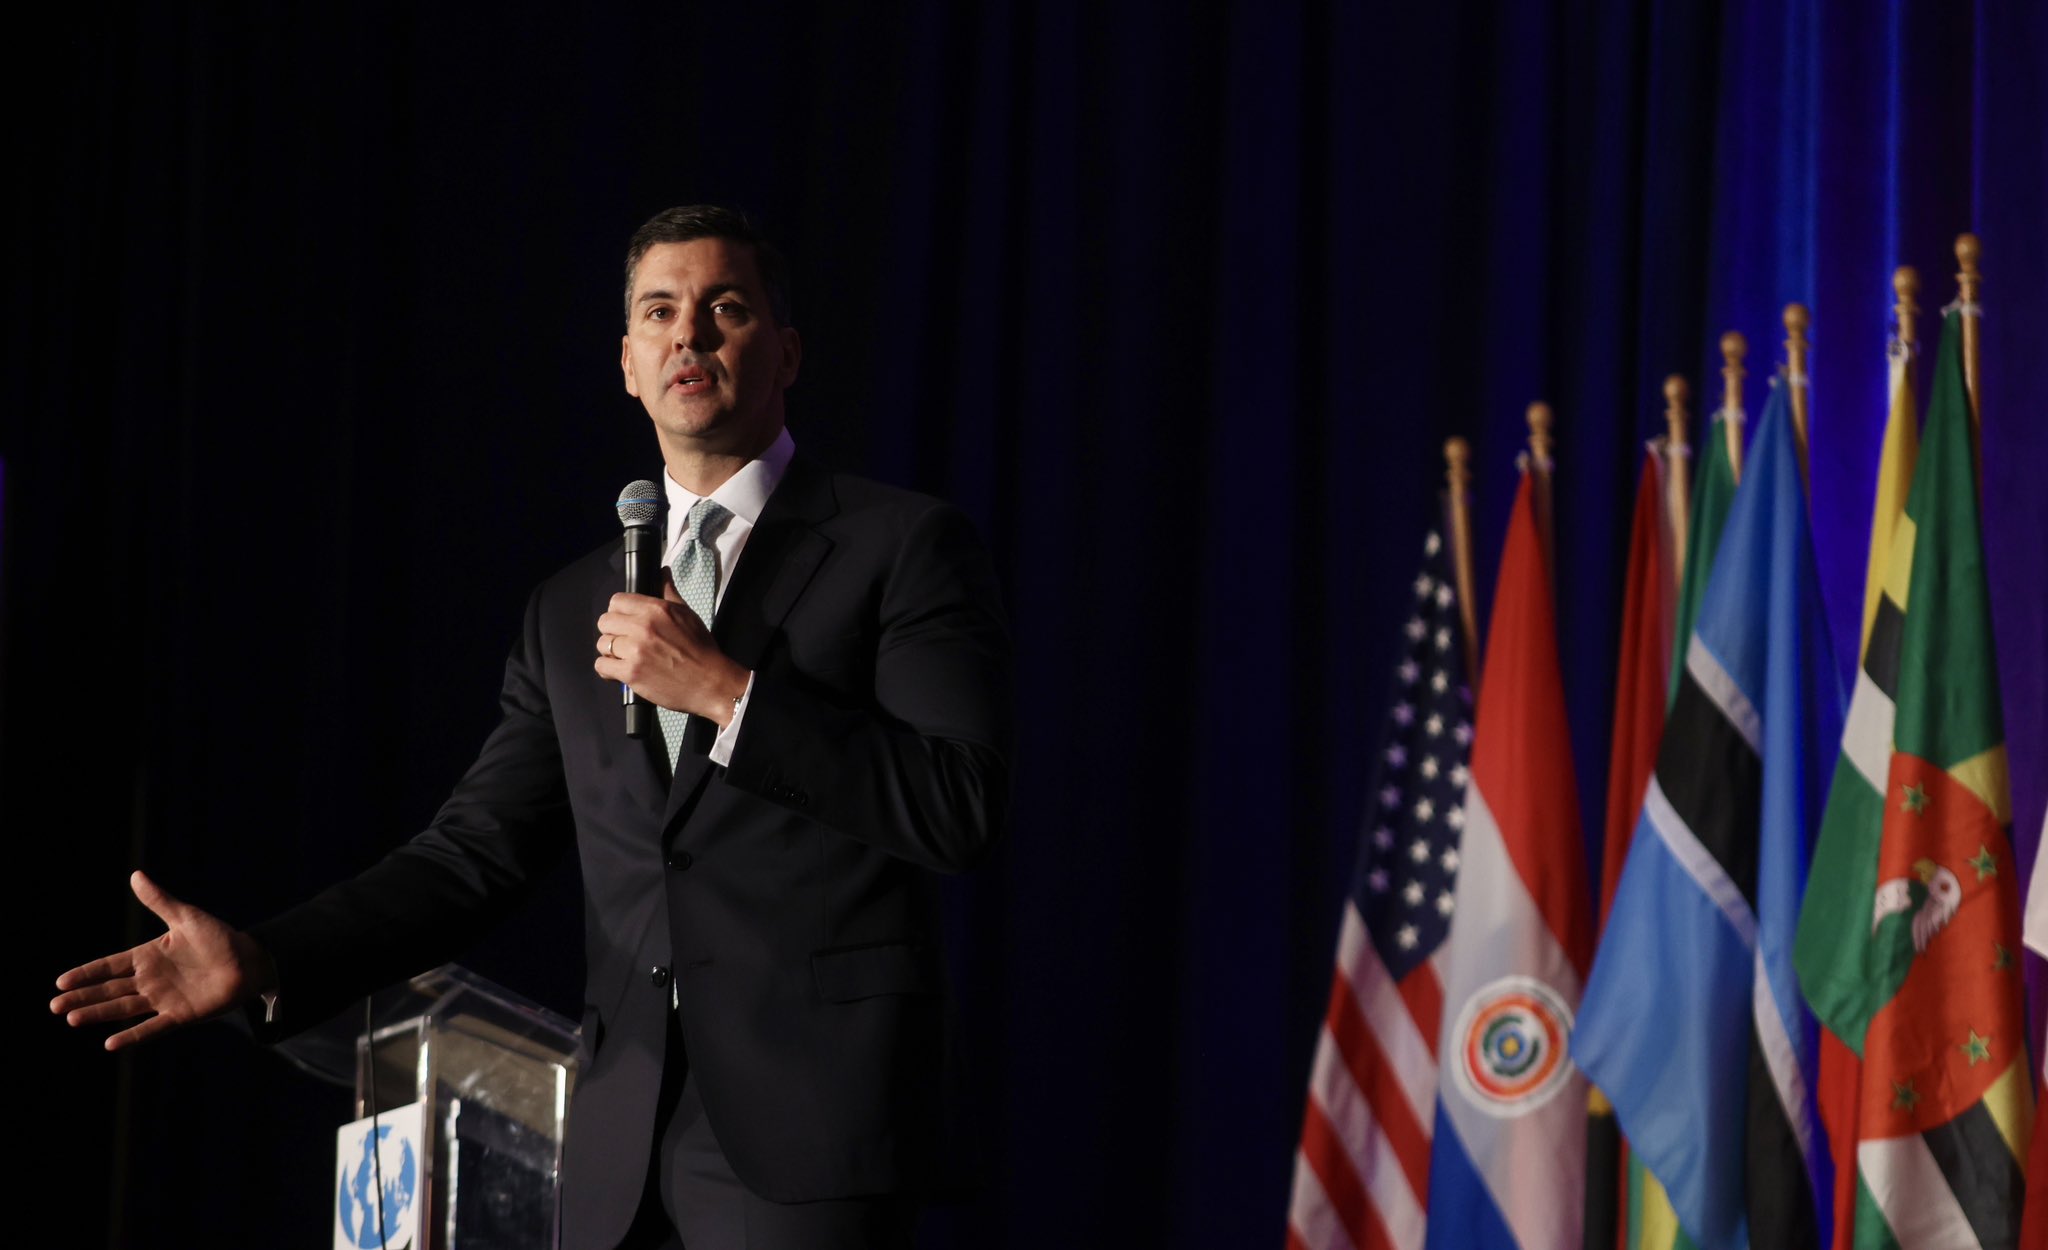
626	364
792	354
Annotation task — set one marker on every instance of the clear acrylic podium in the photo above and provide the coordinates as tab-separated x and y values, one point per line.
493	1073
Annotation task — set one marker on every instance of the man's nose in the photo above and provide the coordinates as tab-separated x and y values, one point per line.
697	332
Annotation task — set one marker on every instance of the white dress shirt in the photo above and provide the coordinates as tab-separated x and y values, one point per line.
743	494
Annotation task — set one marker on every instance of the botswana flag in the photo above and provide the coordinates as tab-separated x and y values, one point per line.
1692	1021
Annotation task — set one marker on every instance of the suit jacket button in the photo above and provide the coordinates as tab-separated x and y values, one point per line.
659	976
680	861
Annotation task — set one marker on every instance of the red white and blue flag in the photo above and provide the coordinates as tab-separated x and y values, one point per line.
1361	1176
1508	1162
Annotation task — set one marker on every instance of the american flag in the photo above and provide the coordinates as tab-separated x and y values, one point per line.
1361	1175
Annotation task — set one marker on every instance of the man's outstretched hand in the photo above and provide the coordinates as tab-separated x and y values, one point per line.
198	969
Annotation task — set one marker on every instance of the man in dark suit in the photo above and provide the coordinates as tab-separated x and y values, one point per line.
765	1042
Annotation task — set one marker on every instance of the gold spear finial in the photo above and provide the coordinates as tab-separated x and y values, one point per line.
1539	433
1906	285
1676	393
1797	319
1733	348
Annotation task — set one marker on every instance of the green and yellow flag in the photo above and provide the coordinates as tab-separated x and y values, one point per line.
1908	944
1713	492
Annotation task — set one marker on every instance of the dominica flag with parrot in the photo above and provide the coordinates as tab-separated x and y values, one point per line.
1908	947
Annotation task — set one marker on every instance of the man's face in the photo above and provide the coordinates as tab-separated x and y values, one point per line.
702	350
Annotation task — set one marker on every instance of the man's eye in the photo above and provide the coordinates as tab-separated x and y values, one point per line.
658	314
727	308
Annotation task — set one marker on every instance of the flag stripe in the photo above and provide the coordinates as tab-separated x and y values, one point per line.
1313	1218
1699	863
1380	1013
1894	479
1780	1061
1867	735
1393	1214
1713	780
1881	657
1423	995
1464	1212
1870	1231
1355	1053
1781	1212
1907	1187
1722	690
1981	1172
1898	579
1361	1177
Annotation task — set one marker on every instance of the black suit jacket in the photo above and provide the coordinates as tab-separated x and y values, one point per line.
788	895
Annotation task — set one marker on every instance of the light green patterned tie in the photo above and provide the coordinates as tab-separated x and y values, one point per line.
696	574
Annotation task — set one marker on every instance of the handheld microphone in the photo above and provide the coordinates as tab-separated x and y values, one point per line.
639	507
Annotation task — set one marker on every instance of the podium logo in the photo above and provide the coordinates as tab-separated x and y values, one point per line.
364	1222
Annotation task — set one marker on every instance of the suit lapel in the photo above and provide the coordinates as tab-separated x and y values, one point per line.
781	556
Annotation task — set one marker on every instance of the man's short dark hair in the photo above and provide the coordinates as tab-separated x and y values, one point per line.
710	221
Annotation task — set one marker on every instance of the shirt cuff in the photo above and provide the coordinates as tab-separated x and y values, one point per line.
729	734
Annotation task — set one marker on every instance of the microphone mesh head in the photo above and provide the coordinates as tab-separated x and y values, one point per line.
639	504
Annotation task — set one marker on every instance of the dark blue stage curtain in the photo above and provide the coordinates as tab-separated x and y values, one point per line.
309	324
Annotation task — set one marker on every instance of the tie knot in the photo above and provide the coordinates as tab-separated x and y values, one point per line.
704	518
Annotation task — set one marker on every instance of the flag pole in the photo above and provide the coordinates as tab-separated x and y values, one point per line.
1906	285
1968	252
1796	322
1458	484
1733	348
1539	465
1677	471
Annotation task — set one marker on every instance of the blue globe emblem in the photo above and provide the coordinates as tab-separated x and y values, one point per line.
358	1196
